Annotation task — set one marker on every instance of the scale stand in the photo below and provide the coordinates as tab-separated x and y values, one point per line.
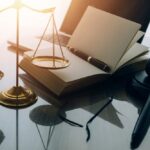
17	96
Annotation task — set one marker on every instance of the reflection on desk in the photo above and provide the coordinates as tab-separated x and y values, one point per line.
1	136
117	120
114	124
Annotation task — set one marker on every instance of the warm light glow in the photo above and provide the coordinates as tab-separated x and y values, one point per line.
32	3
31	23
41	3
5	3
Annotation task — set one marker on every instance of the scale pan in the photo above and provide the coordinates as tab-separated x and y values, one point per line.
50	62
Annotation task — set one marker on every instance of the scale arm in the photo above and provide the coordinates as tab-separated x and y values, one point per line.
47	10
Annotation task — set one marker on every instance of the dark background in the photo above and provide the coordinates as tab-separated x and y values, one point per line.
135	10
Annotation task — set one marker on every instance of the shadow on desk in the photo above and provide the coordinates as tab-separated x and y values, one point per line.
90	99
45	115
1	136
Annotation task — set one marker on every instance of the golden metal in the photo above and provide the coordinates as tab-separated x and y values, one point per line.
50	62
17	97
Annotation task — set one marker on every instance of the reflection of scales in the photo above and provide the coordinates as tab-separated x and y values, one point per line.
45	115
18	96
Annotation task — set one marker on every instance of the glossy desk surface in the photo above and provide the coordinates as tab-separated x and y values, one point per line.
38	127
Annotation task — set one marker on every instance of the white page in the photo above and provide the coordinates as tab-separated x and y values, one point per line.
136	38
103	35
136	50
77	69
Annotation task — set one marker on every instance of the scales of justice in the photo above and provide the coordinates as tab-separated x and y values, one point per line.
18	96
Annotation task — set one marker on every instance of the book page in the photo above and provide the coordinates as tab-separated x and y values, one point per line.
103	35
77	69
135	51
136	38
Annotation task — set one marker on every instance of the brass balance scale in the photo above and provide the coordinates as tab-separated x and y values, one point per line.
18	96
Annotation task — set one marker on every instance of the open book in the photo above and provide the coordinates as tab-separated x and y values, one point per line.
101	35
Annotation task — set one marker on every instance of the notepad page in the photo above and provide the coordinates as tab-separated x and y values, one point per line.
136	38
103	35
77	69
135	51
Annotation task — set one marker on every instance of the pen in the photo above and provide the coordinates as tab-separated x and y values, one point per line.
103	66
141	126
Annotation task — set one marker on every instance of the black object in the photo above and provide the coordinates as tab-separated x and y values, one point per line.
141	85
147	69
2	136
141	125
97	63
70	122
95	115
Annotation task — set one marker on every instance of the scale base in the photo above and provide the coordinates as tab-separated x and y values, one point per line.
17	97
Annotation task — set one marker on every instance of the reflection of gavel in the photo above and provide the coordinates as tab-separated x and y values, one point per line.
142	84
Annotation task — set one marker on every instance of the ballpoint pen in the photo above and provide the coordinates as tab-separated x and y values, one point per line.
99	64
141	126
